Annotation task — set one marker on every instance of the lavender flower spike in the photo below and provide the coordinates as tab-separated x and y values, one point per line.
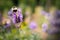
15	14
12	15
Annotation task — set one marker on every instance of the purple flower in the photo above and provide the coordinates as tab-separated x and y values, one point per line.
53	30
7	24
44	27
44	12
32	25
10	14
19	10
57	14
13	16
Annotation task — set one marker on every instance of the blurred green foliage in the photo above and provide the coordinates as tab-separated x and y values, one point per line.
15	34
5	4
9	3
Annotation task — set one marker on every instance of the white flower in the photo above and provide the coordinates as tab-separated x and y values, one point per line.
8	22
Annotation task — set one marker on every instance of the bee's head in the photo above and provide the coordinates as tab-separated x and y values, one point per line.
14	9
